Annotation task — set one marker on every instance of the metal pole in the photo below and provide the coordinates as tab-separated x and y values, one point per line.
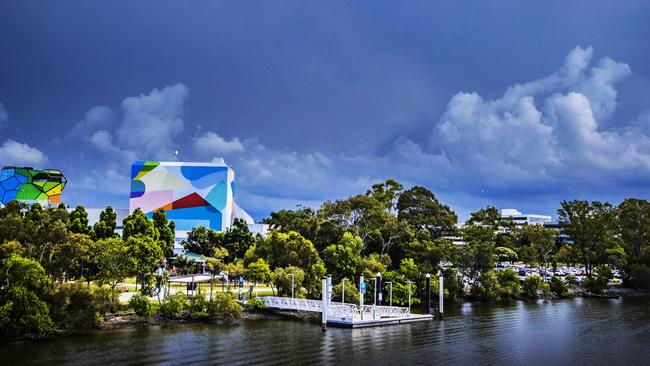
329	289
379	288
428	294
409	284
374	304
292	277
343	295
391	293
361	296
324	304
441	295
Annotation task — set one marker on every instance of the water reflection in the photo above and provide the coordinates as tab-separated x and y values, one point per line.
562	332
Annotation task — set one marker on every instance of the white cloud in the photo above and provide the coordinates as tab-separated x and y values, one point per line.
4	116
97	118
153	121
16	153
212	144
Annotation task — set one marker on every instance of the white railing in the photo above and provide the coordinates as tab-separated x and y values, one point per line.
336	310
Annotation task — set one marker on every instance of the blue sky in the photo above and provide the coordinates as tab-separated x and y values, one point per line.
511	103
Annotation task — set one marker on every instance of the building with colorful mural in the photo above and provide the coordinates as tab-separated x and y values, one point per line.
29	184
192	194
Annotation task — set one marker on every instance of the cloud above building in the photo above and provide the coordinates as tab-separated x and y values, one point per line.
20	154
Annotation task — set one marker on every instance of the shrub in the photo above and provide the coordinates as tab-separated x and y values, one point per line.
224	306
571	279
75	306
140	304
559	287
545	288
598	281
488	288
509	282
172	306
640	276
106	300
255	304
23	314
197	306
531	286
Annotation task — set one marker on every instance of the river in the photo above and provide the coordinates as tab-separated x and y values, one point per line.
562	332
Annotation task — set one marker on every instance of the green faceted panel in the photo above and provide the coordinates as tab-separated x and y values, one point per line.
29	192
49	185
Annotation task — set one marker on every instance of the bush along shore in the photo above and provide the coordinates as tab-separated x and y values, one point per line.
57	272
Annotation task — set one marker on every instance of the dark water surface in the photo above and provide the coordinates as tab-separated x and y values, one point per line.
571	332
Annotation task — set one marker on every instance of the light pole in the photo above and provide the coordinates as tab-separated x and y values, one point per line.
428	289
409	284
374	304
343	291
292	277
391	292
441	293
379	288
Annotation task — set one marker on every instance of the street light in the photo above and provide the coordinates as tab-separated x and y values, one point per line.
391	292
409	284
292	277
379	287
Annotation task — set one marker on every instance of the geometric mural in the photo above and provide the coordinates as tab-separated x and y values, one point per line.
28	184
191	194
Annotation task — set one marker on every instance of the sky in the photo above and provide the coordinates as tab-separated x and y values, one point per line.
506	103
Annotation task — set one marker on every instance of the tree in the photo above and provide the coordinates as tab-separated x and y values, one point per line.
386	193
237	240
105	227
591	227
343	260
634	227
478	255
291	249
505	254
283	278
148	257
541	239
22	312
113	261
203	241
488	217
420	208
79	220
166	231
69	258
138	223
258	272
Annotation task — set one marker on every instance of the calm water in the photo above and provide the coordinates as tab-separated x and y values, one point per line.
581	331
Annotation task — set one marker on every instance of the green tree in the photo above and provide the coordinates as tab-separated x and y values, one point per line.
343	260
23	314
78	220
591	226
541	239
147	256
105	227
203	241
283	278
166	231
478	255
258	272
420	208
114	261
505	254
237	240
291	249
69	258
138	223
634	228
